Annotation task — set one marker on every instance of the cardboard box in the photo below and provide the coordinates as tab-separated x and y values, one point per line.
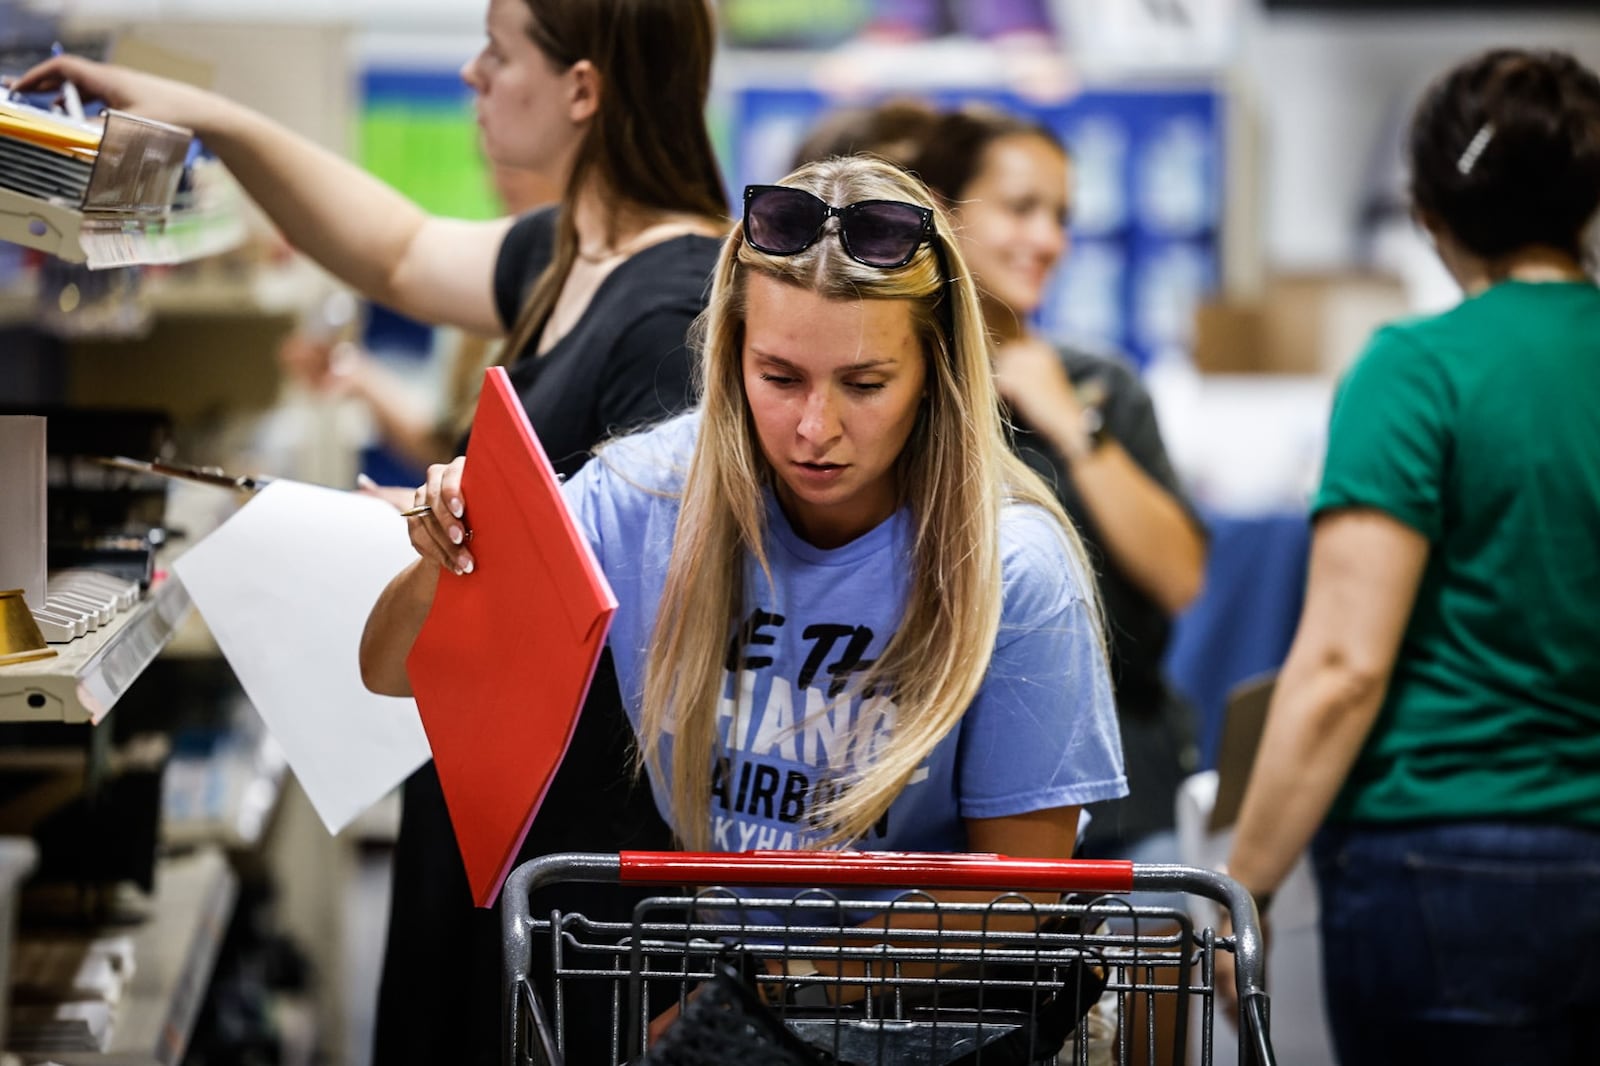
1302	324
22	506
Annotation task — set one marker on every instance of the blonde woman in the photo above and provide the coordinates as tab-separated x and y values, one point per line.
849	616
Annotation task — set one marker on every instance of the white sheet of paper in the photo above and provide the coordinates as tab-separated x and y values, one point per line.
285	586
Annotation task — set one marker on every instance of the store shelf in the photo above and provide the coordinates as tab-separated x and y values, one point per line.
201	293
281	289
87	676
131	211
175	948
81	237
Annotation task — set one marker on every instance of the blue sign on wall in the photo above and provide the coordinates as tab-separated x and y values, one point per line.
1146	231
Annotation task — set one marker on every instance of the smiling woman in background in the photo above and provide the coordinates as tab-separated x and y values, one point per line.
1085	424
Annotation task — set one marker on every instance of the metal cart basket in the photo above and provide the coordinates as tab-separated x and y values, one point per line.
877	958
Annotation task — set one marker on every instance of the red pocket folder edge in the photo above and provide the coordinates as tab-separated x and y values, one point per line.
503	663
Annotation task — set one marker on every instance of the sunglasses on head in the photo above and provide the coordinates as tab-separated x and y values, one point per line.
779	220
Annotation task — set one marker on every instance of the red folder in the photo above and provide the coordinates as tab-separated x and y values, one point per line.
503	663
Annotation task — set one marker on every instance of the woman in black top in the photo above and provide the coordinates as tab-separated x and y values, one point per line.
1085	424
607	99
625	362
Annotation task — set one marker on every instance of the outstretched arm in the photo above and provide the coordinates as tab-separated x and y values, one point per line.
356	227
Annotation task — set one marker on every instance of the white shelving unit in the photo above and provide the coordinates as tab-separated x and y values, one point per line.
78	236
89	675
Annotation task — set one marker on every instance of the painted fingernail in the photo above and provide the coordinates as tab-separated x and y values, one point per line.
456	508
455	534
466	564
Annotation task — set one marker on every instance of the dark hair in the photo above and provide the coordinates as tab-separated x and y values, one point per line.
953	148
893	130
648	144
1505	152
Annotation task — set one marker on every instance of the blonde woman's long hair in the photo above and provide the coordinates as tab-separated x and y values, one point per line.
954	475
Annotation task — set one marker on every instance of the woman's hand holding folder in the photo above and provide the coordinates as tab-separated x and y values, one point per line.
439	530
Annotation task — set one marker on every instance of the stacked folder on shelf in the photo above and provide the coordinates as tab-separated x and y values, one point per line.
47	155
102	191
48	129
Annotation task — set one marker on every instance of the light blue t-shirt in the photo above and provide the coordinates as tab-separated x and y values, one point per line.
1041	733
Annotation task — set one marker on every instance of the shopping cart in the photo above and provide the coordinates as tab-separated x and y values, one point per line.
865	963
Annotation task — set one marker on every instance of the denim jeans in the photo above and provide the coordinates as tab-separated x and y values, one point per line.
1461	943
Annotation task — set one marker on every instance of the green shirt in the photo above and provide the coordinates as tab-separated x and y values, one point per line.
1480	428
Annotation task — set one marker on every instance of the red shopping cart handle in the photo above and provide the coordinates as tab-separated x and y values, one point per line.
889	869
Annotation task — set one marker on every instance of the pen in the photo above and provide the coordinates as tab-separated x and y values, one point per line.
418	512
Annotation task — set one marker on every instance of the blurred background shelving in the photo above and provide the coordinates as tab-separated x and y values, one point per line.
161	970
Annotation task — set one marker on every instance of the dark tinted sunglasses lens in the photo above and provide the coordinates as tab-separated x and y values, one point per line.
883	234
783	220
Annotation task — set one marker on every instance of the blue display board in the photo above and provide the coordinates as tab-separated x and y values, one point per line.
1146	232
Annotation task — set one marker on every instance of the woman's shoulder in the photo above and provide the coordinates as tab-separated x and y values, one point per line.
1041	572
1475	321
676	269
1108	372
653	461
699	250
529	245
1413	347
536	226
657	292
525	251
1085	360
